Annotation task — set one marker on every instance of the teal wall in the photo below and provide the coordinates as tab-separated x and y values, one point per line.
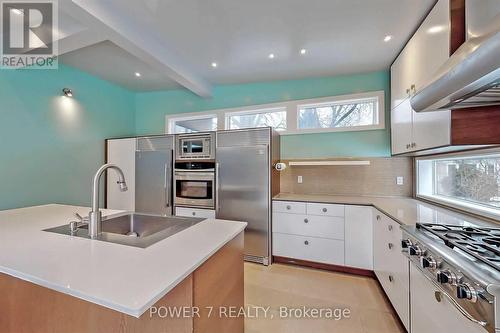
151	108
51	145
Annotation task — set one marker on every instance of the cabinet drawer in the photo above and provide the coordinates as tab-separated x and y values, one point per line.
325	209
289	207
309	225
398	294
390	229
195	212
328	251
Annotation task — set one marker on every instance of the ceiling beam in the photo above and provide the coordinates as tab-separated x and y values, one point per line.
79	40
139	41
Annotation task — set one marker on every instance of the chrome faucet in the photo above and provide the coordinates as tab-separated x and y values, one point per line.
95	215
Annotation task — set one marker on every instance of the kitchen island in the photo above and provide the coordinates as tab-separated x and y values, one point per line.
58	283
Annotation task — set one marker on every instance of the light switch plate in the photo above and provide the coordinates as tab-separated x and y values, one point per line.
400	180
299	179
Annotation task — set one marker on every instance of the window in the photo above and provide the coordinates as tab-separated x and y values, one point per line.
192	124
259	118
471	182
355	113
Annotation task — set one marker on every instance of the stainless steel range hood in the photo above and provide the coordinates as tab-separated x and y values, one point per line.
470	78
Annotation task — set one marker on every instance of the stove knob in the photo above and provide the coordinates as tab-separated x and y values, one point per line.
415	250
466	291
446	277
405	243
428	262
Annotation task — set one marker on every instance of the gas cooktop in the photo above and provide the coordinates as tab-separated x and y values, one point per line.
480	243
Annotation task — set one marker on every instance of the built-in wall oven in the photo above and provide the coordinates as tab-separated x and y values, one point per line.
195	184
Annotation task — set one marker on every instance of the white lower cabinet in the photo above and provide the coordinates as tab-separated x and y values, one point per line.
346	235
430	313
325	233
390	265
195	212
359	237
309	225
323	250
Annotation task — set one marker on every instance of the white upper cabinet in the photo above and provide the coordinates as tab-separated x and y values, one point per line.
401	76
431	129
424	54
401	127
431	45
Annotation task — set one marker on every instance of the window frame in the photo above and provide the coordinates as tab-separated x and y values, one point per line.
170	120
228	115
457	204
292	111
330	101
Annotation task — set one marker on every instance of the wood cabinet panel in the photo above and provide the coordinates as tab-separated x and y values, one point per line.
26	308
475	126
219	284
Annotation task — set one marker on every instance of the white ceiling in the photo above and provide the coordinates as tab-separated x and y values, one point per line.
340	36
110	62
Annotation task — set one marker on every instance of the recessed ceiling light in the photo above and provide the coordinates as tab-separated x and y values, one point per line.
271	56
17	11
387	38
214	64
137	74
303	51
435	29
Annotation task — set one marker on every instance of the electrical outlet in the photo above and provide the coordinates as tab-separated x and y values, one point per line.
400	180
299	179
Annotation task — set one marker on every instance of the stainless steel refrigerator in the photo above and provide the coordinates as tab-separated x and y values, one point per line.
153	175
245	179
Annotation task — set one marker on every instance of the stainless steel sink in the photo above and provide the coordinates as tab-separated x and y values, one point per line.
139	230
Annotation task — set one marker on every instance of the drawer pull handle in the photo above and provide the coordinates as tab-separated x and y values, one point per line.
288	207
306	242
391	279
437	296
378	217
324	210
390	245
390	227
194	213
306	220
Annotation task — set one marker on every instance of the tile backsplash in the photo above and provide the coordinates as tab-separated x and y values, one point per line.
378	178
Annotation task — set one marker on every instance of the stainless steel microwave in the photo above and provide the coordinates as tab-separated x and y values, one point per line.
195	146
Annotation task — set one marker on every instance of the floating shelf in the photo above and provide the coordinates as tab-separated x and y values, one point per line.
320	163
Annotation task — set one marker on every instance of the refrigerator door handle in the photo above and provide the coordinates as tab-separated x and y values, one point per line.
166	185
217	187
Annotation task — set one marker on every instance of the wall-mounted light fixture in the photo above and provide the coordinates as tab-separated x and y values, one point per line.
67	92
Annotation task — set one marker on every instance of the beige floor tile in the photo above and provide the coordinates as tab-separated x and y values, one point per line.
291	286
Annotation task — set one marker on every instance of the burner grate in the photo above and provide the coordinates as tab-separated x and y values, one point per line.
481	243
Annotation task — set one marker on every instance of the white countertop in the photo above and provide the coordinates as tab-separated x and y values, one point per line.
119	277
406	211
